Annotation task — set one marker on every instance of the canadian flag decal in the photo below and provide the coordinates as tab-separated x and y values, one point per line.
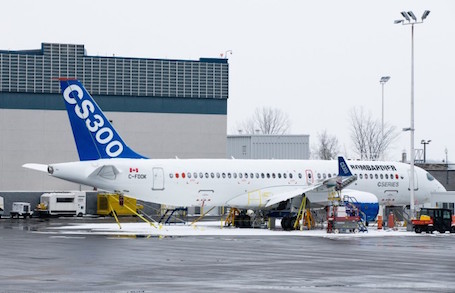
134	170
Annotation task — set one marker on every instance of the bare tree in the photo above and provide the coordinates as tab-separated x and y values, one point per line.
327	146
266	120
370	142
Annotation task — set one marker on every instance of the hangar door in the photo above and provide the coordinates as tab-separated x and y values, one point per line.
158	179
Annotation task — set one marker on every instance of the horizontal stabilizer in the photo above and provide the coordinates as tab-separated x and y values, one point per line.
37	167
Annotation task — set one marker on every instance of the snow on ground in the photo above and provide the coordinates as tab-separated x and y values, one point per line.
213	228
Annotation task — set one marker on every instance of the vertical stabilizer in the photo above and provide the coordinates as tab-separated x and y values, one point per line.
94	135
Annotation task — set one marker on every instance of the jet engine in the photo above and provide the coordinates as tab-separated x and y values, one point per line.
366	202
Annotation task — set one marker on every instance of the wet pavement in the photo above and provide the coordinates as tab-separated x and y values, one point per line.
52	262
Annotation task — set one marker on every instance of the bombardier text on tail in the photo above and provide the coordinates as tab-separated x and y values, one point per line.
107	163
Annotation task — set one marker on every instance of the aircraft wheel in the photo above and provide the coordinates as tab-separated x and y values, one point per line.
286	223
246	221
452	230
418	229
336	231
356	230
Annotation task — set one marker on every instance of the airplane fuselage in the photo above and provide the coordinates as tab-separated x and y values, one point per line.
240	183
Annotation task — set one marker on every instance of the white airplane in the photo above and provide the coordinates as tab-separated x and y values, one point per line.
107	163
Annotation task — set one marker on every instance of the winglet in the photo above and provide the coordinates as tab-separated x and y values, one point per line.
343	168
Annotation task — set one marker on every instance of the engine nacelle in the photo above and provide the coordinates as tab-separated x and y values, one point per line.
366	202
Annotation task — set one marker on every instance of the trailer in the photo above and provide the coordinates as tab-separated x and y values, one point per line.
21	209
62	204
2	206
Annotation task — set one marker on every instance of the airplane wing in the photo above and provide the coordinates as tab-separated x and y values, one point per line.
345	178
290	194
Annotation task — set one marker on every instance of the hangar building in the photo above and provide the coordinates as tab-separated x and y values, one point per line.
161	108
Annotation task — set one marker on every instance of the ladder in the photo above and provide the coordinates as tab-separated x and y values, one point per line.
305	214
171	213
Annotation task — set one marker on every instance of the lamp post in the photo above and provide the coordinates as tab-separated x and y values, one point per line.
425	142
383	80
410	19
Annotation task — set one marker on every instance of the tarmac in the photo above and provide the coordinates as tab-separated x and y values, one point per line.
95	255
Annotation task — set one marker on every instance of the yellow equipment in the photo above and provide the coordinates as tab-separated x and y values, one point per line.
108	202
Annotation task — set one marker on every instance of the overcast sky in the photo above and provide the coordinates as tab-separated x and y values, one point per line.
315	60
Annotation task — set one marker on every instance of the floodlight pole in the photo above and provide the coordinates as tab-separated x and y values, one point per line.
412	20
383	81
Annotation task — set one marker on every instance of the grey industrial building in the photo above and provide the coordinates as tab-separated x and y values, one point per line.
280	147
162	108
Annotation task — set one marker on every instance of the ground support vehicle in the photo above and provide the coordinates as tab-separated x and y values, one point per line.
2	206
62	204
109	203
21	209
434	219
344	219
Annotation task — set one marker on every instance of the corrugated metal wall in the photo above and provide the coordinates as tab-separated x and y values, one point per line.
268	147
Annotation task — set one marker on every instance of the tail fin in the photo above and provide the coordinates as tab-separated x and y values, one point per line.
94	135
343	168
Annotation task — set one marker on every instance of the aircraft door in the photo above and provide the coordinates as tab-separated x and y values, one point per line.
158	179
309	177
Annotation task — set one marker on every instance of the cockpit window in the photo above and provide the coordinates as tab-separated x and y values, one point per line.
430	177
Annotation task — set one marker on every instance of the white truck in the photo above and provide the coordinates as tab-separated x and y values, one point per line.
2	206
62	204
21	209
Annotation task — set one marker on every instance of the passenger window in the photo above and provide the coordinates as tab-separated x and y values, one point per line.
251	175
176	175
391	176
240	175
229	175
262	175
324	176
201	175
366	176
246	175
386	176
309	175
212	175
217	175
376	176
361	176
188	175
195	175
381	176
290	175
257	175
319	175
371	176
268	175
235	175
284	175
183	175
171	175
206	175
223	175
300	175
